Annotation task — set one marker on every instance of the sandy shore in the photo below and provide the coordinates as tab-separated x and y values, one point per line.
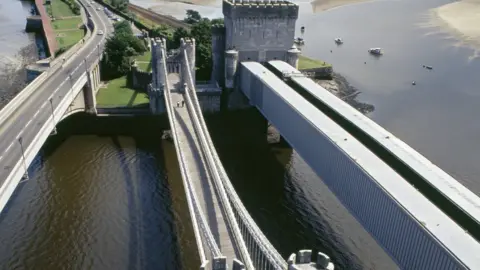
322	5
460	19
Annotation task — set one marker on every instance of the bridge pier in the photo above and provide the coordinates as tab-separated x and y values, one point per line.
89	92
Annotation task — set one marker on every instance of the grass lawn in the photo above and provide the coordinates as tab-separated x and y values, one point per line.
64	24
60	9
66	39
308	63
118	94
145	66
146	57
144	61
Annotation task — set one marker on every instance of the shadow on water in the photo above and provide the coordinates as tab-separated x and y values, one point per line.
260	174
153	239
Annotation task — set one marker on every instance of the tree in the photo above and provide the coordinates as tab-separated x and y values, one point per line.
202	31
121	5
193	17
119	49
218	21
177	35
160	31
123	26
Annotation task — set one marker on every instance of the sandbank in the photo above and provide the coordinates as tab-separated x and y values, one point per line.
461	20
322	5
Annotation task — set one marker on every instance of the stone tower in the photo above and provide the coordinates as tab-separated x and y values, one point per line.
189	45
257	31
155	92
218	54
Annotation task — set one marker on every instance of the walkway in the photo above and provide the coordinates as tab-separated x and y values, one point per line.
199	174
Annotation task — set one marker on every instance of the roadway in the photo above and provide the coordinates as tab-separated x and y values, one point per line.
28	119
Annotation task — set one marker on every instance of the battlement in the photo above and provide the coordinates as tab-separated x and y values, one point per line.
187	42
158	43
274	9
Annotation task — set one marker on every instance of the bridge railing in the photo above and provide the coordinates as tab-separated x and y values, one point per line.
255	248
196	213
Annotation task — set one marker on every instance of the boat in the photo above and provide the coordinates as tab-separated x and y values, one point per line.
339	41
376	51
299	41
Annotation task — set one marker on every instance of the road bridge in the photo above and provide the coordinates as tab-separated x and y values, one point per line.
68	86
411	229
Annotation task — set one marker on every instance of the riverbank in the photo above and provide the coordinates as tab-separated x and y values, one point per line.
459	20
323	5
13	74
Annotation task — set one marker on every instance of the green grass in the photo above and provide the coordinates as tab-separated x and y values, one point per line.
145	66
146	57
64	24
144	61
308	63
118	94
60	9
70	38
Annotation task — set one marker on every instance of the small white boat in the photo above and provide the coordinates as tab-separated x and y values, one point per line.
376	51
339	41
299	41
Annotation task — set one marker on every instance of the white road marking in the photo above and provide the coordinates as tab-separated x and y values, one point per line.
61	84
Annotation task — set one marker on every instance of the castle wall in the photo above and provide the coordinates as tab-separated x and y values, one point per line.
260	26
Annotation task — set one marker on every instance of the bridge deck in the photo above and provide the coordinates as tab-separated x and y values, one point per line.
199	174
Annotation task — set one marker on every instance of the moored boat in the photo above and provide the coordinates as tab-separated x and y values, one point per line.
376	51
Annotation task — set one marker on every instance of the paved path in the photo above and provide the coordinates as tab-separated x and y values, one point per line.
199	175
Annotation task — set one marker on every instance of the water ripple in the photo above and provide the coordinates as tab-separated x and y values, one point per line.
94	203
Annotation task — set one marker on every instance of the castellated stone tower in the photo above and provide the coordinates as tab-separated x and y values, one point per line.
155	92
218	51
257	31
189	45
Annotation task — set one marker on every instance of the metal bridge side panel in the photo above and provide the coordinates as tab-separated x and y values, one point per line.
403	238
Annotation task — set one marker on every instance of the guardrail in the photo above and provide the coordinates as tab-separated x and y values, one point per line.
249	227
11	106
195	209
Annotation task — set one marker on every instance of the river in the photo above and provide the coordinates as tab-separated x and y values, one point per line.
17	48
94	199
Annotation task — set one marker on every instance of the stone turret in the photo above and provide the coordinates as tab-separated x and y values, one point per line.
189	45
231	64
292	56
218	54
155	91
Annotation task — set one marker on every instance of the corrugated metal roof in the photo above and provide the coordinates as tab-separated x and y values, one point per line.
451	235
447	185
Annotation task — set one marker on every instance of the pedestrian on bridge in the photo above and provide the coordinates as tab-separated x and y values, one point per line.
183	103
178	104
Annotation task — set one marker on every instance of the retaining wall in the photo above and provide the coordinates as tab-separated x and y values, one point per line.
47	28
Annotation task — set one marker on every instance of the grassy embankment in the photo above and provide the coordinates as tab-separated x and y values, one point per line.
309	63
117	94
66	24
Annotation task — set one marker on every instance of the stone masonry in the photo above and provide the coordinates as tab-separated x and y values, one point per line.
253	31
